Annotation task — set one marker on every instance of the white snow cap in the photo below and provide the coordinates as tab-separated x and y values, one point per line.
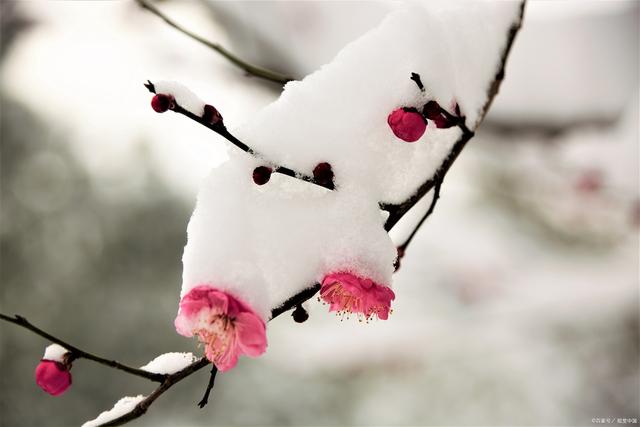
55	352
266	243
122	406
169	363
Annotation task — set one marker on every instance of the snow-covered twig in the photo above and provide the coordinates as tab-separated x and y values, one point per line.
76	353
253	70
219	128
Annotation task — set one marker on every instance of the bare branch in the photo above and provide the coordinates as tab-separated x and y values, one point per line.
81	354
253	70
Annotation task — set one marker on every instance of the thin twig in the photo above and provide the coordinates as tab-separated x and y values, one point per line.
212	377
222	130
436	195
253	70
77	353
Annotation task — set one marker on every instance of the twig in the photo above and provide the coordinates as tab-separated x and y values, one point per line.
436	195
253	70
212	378
221	130
77	353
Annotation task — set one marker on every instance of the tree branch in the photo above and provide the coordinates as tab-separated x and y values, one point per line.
81	354
253	70
222	130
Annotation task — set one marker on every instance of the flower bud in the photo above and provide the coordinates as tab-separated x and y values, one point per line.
261	175
52	373
408	125
161	103
323	175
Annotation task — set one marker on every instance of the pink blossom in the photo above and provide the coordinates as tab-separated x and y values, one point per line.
225	325
347	293
407	125
53	377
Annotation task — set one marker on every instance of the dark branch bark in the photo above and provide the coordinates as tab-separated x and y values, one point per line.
295	300
253	70
81	354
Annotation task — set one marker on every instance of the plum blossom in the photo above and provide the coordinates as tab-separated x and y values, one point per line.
406	124
226	326
347	293
52	373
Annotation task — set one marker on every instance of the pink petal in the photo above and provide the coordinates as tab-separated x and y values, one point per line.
226	361
252	338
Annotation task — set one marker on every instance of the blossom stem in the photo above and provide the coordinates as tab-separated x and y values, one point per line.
76	353
250	69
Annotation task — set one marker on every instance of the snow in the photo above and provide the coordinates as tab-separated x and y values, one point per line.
122	406
183	96
264	244
338	114
55	352
169	363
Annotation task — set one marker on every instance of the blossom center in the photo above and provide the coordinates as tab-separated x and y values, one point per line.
217	333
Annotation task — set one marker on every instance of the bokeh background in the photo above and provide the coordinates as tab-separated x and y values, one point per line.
518	302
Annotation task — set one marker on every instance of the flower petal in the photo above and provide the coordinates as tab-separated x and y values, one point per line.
251	331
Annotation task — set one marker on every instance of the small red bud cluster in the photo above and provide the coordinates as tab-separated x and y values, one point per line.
409	124
161	103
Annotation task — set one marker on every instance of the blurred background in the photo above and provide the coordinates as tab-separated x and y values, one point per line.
518	302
